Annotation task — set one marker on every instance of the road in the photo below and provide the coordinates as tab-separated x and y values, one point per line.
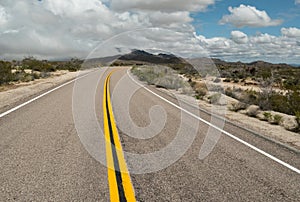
52	149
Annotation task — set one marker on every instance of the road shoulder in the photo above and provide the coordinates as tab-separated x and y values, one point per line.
24	91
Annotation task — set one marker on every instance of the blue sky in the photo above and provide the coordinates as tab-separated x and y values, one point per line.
231	30
206	23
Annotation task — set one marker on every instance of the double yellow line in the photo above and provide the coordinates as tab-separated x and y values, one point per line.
120	186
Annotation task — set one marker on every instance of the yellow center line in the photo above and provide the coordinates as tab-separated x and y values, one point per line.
120	186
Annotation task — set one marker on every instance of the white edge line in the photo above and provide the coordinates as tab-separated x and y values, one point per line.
40	96
219	129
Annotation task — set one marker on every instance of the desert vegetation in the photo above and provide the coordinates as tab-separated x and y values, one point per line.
269	92
30	69
160	76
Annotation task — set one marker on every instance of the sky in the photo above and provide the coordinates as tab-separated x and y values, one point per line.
231	30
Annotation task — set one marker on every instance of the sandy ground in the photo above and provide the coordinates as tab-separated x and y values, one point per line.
263	128
15	93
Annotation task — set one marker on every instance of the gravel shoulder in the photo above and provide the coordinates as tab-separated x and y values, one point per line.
13	94
273	132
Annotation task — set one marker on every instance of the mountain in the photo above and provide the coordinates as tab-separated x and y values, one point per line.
295	65
199	65
143	56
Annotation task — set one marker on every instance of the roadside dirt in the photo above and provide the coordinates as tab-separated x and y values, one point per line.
263	128
11	94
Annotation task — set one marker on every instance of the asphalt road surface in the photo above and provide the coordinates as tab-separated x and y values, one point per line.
54	149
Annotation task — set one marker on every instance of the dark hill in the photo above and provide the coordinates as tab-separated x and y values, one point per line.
143	56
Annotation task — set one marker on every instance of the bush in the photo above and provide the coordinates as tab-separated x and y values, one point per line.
169	82
273	119
277	118
217	80
290	123
268	116
229	92
213	99
36	75
237	106
199	89
45	74
200	93
198	97
37	65
297	114
252	110
160	76
5	72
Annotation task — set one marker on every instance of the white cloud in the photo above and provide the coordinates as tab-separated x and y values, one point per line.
263	38
162	5
55	29
3	16
73	27
292	32
159	18
248	16
239	37
297	1
259	47
76	27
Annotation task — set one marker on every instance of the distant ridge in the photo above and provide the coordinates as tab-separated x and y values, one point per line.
295	65
141	57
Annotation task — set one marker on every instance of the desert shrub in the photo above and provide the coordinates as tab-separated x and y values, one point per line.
192	83
252	110
249	96
293	98
201	93
160	76
73	69
274	101
45	74
18	76
237	106
217	80
279	103
37	65
229	92
268	116
5	72
200	89
284	103
22	76
297	114
226	80
73	65
169	81
215	88
198	97
277	118
215	98
187	90
27	78
36	75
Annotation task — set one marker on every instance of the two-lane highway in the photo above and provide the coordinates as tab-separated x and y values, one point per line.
45	158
